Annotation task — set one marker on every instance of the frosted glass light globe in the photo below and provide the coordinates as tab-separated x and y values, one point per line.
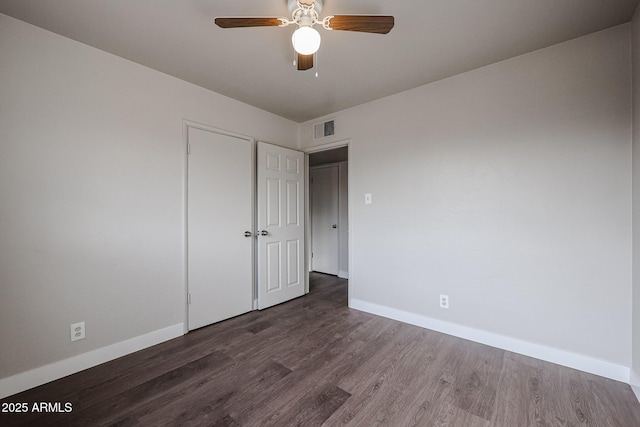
306	40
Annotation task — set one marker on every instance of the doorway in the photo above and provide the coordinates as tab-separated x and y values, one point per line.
328	212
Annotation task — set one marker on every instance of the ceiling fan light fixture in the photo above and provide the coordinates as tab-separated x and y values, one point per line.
306	40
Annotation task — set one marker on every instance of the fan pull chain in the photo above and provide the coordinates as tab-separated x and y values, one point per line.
316	61
295	58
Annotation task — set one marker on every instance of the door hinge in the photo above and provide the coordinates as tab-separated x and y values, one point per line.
311	254
189	298
188	148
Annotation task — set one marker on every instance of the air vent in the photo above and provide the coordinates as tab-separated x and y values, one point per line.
322	130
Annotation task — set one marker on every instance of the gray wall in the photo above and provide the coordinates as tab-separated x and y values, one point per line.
636	200
92	167
507	188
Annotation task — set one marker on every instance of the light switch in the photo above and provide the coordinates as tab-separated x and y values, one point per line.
367	199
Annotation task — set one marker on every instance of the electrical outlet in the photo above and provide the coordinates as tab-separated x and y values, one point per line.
77	331
444	301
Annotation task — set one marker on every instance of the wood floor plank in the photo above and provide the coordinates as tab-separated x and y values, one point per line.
147	392
453	416
377	387
313	361
387	406
520	399
389	339
311	408
613	404
477	380
412	391
204	401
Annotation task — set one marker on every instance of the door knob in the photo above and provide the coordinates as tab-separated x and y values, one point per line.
334	226
247	234
264	233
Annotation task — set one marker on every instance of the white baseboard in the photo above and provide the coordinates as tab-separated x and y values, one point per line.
549	354
44	374
634	382
343	274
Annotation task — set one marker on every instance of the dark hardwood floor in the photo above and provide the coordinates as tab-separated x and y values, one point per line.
314	361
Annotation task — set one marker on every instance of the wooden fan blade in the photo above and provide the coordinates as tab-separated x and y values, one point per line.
365	24
305	62
247	22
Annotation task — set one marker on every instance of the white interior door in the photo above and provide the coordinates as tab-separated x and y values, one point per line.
219	212
280	224
324	219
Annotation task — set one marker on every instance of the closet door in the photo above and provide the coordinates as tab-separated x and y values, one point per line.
219	226
281	274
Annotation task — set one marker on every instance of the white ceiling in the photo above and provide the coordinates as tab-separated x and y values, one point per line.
431	40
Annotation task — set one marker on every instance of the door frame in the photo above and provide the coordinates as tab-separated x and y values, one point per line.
316	149
186	125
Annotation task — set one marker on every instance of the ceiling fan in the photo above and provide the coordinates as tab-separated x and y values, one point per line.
306	39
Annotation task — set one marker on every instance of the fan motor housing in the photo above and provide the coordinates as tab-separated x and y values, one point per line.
293	5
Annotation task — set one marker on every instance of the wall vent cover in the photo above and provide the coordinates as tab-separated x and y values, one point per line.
322	130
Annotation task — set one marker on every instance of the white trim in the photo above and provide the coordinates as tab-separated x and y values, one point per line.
325	147
44	374
634	382
190	124
538	351
316	149
307	223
